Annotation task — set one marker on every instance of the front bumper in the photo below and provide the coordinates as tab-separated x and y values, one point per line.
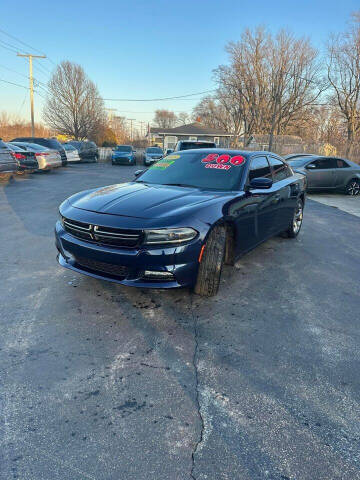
123	160
180	261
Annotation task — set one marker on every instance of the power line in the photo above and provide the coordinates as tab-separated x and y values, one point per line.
12	83
13	50
14	71
23	43
23	103
157	99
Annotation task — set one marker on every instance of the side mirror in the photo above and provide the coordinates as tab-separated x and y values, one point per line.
138	172
168	151
310	166
261	183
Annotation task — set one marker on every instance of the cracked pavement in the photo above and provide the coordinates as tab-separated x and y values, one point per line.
100	381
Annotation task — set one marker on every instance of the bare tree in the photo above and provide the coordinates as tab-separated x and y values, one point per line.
344	77
268	82
165	118
73	105
183	118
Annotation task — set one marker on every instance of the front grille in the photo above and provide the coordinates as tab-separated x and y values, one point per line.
122	159
116	237
111	269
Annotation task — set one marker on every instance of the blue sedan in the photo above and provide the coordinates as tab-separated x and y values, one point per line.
179	221
123	155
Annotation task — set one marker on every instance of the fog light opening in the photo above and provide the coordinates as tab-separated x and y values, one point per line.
154	275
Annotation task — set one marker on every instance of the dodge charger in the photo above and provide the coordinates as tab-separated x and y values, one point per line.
178	222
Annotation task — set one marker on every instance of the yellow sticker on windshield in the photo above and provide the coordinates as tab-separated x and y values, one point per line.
161	164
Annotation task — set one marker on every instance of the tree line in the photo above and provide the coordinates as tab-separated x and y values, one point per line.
277	84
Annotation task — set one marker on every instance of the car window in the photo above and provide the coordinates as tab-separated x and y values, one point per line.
325	163
154	150
299	162
259	168
35	147
123	148
218	171
341	163
280	169
14	148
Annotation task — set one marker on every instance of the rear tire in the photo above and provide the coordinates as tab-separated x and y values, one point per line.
353	188
209	274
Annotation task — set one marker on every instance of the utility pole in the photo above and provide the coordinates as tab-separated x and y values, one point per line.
131	127
30	57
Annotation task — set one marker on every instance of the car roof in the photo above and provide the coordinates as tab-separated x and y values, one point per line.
31	145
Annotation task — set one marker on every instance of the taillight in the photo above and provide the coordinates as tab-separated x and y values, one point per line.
41	154
19	156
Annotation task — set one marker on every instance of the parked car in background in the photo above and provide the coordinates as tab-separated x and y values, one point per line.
292	156
46	158
27	161
328	173
123	155
51	143
8	161
152	154
190	144
168	151
88	151
72	154
180	220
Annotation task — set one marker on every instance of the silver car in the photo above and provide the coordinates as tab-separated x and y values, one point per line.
328	173
46	158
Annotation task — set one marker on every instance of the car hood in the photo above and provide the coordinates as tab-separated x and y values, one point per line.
144	200
157	155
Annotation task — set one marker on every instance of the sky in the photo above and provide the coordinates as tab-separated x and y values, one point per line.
141	49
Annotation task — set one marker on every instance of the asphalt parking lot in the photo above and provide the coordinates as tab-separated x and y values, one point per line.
100	381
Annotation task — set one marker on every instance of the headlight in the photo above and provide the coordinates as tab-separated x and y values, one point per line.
61	218
169	235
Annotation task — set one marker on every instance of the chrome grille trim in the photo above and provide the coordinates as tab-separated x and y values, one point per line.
125	236
111	236
77	227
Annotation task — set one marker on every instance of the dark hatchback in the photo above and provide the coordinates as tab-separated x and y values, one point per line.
51	143
180	220
27	161
88	151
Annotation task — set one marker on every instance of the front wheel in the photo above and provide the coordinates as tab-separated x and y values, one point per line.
294	229
353	188
211	262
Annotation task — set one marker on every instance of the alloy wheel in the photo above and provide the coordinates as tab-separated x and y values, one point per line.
298	218
353	188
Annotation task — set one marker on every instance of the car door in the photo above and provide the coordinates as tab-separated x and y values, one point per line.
287	191
267	199
321	173
341	173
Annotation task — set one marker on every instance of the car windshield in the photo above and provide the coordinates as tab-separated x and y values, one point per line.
123	148
299	162
34	147
69	148
154	150
74	143
220	171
